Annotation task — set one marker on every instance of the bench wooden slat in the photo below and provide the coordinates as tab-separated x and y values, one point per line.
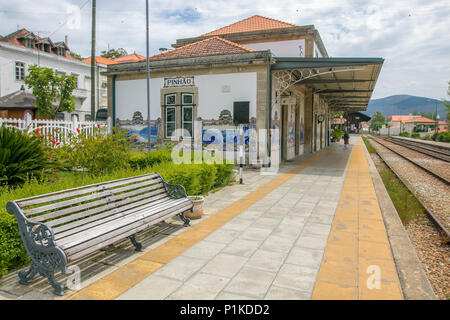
93	221
96	205
59	195
63	223
80	251
110	226
102	194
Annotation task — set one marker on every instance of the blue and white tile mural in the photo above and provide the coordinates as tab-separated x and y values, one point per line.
139	129
211	130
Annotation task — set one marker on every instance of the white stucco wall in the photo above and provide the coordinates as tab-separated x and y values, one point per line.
9	54
215	92
289	48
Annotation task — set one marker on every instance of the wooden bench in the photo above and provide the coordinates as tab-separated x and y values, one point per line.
60	227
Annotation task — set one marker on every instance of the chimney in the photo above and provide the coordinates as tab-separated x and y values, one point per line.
66	40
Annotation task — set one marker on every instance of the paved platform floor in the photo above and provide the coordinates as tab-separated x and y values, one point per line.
313	231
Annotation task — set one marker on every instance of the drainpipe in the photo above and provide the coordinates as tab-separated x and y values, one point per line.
313	131
268	110
114	100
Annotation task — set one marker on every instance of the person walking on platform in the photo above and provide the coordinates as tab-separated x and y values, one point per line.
346	137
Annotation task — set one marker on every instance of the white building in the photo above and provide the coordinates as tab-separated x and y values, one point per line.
21	49
256	73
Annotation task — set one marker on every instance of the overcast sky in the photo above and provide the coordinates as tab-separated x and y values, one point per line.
411	35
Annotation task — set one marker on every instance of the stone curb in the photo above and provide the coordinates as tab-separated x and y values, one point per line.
414	282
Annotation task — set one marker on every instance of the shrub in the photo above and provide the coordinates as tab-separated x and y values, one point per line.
337	134
443	137
98	153
21	155
404	134
223	174
149	158
207	176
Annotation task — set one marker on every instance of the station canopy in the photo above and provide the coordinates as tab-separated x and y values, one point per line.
345	84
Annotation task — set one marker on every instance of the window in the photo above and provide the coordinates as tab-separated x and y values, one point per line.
76	78
29	43
170	99
20	70
171	123
87	117
241	112
187	100
187	124
59	116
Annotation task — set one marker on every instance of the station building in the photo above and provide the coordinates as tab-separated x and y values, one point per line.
257	73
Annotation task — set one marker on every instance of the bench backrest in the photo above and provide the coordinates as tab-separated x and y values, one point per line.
67	209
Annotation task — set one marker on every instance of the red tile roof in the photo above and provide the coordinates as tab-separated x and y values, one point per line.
101	60
254	23
134	57
206	47
413	119
14	37
400	118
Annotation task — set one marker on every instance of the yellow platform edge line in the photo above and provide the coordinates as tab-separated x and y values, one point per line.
357	261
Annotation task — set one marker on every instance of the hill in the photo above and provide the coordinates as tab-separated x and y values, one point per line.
405	104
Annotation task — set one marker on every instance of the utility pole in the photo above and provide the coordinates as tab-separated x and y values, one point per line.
148	74
93	63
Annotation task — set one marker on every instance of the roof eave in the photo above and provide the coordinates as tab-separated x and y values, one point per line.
233	36
200	62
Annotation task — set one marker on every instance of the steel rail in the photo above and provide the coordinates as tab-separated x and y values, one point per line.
445	180
441	155
433	218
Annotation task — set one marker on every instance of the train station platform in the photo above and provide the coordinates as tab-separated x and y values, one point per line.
315	230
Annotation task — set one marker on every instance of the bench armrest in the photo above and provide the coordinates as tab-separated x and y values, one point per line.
39	240
175	191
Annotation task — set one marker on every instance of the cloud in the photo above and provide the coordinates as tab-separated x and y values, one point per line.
412	36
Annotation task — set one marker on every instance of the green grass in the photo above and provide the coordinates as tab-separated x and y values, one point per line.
369	147
406	204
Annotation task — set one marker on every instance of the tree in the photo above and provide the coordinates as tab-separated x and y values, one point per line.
377	121
75	55
114	53
53	92
429	115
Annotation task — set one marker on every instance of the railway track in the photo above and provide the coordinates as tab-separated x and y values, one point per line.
427	169
434	217
435	152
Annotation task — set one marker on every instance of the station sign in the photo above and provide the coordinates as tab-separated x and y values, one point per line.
177	82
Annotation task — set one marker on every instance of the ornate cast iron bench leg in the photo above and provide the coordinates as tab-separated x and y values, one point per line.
185	220
26	276
136	244
39	241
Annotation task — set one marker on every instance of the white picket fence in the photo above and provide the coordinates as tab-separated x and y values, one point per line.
56	130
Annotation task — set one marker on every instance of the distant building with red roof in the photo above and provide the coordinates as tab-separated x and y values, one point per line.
414	123
24	48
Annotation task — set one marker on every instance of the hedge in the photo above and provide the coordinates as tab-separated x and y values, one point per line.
196	178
